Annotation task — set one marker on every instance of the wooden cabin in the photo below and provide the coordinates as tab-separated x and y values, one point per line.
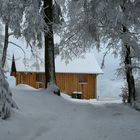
78	76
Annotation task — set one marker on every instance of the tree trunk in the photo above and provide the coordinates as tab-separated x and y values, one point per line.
50	77
128	63
129	75
129	72
5	45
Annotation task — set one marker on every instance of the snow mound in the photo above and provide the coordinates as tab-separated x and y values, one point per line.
11	80
24	86
100	101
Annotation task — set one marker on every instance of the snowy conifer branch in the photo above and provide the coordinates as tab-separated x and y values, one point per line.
6	101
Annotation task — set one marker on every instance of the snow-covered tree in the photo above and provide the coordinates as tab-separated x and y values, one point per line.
115	22
11	15
33	23
32	19
6	101
22	18
52	17
41	17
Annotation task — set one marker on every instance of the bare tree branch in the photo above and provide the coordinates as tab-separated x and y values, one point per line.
17	46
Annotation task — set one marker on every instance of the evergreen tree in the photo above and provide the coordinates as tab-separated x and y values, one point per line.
13	67
6	101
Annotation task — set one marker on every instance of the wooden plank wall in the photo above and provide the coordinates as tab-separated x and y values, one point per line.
26	78
67	82
70	82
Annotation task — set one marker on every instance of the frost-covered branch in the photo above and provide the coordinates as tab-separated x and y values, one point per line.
17	46
10	34
103	59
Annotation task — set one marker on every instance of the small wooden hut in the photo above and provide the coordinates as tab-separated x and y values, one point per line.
78	76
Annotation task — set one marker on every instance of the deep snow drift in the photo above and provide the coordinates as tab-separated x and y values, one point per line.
44	116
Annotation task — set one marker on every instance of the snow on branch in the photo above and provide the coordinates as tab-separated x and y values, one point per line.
6	101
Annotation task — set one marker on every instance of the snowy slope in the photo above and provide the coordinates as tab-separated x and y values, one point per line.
44	116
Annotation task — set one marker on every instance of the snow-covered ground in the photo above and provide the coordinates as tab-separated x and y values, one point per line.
44	116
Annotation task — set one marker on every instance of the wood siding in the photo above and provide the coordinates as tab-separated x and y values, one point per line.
67	82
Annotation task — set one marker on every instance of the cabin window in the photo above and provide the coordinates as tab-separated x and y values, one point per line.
82	78
40	77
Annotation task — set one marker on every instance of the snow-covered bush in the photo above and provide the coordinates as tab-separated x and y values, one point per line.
124	93
6	101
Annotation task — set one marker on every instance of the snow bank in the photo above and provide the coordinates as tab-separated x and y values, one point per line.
11	80
24	86
99	101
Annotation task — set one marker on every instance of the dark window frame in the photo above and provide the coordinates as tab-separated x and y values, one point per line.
40	77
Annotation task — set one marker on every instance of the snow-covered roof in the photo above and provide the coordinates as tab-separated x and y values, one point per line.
86	64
